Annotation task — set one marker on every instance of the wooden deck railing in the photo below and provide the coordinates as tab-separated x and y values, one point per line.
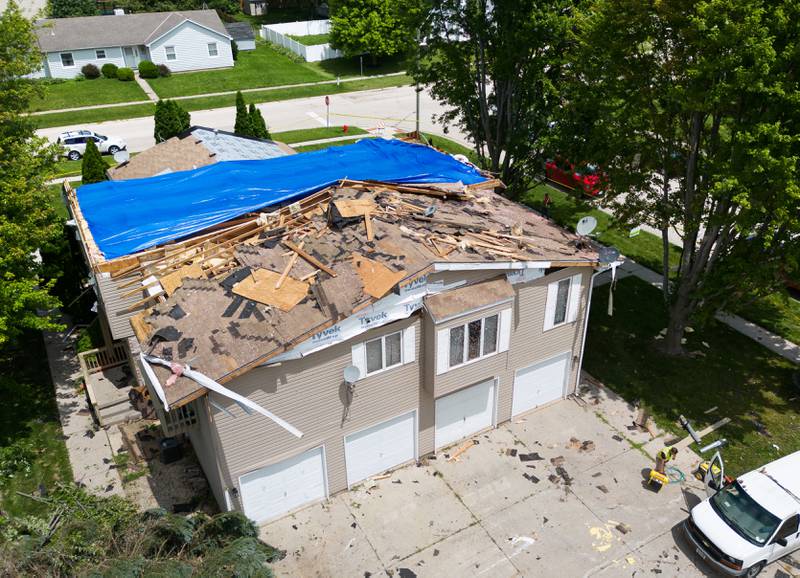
101	358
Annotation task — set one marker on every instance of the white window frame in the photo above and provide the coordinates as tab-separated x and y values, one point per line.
384	367
71	57
167	53
97	53
216	49
465	350
573	301
408	345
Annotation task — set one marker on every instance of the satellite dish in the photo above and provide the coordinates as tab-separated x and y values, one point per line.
608	254
351	374
586	225
122	156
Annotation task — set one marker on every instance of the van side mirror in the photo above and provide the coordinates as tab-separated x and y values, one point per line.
781	542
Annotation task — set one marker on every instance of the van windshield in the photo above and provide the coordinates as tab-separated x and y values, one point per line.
744	514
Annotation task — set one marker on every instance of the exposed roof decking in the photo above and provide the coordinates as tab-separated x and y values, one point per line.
222	334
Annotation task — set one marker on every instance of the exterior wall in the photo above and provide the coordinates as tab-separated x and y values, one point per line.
279	34
309	394
203	442
81	58
246	44
190	42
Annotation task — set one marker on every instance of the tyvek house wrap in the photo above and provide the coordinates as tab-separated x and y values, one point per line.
132	215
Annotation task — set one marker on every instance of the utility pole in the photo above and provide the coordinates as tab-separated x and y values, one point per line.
417	88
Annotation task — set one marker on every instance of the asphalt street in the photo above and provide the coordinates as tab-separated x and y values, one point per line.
371	109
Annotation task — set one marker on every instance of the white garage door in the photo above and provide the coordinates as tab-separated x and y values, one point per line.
464	412
540	383
380	447
279	488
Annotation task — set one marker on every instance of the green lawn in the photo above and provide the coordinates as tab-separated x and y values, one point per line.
325	145
32	450
57	200
778	312
204	103
75	93
568	208
741	378
311	39
307	134
263	67
68	168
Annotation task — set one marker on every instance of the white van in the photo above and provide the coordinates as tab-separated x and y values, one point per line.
750	522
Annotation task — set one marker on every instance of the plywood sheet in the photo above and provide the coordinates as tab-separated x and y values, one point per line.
376	277
355	207
260	286
141	328
173	280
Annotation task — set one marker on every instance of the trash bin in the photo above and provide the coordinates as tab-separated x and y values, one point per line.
170	450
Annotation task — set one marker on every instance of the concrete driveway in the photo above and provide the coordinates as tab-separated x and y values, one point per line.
490	513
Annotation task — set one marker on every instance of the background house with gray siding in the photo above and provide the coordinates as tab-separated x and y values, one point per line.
183	41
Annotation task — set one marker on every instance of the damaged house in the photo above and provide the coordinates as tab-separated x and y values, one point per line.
313	320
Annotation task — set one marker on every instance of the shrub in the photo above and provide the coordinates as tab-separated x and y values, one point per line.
93	167
109	70
90	71
147	69
163	70
234	50
124	74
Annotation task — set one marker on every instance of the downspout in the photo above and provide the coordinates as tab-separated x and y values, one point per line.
586	322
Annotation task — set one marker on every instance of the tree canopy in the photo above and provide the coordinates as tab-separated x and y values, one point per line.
69	8
691	109
93	168
27	219
376	27
497	66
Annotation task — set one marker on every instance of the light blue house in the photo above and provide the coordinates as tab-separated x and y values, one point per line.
188	40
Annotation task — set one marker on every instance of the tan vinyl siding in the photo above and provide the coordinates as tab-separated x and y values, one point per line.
116	306
309	393
203	444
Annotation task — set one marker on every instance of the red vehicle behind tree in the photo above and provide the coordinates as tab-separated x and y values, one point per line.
587	178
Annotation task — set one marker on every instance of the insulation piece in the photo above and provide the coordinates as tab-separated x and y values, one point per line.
172	281
376	277
260	286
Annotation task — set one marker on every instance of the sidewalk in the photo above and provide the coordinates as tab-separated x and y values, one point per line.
153	97
771	341
90	450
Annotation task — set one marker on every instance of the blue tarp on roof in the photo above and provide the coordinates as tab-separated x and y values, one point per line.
132	215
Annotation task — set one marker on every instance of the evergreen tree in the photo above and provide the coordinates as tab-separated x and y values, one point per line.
93	168
170	120
68	8
242	124
258	126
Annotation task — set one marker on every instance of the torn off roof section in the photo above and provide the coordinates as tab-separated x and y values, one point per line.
129	216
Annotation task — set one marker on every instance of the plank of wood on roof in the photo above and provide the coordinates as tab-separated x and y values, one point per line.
355	207
376	277
172	281
260	286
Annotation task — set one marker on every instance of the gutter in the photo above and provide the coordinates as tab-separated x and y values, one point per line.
610	267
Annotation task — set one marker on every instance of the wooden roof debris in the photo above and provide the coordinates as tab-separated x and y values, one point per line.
259	285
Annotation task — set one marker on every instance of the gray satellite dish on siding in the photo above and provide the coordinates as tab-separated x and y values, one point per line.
586	225
351	374
122	156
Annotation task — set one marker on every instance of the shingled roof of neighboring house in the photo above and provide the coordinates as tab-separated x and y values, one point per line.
197	147
118	30
240	31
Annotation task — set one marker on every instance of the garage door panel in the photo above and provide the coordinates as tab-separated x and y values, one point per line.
380	447
461	414
285	486
539	384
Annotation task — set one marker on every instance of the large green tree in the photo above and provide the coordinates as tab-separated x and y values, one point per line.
242	123
375	27
27	219
693	111
69	8
496	66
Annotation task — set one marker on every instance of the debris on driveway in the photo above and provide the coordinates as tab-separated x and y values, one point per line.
533	456
557	461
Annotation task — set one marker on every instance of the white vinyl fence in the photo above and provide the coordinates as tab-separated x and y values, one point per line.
278	34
